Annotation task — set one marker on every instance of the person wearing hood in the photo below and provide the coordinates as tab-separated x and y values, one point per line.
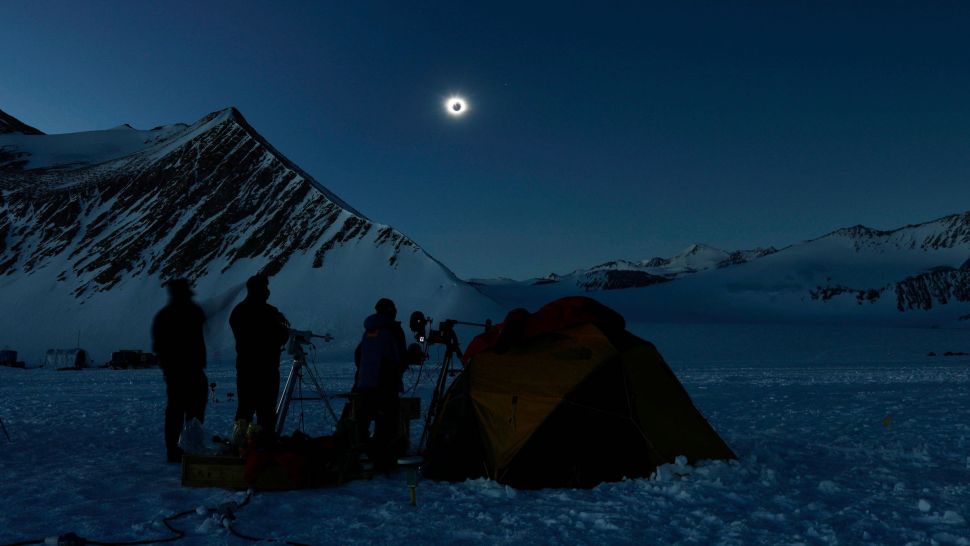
179	343
260	331
381	361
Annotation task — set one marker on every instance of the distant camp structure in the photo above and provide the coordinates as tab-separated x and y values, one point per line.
131	359
565	397
8	358
68	359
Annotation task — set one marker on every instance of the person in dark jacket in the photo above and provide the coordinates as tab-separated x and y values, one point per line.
260	331
179	343
381	362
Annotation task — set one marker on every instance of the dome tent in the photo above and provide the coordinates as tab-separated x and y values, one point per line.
565	397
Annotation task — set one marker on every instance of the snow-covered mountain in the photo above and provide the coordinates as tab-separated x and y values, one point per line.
93	222
917	274
619	274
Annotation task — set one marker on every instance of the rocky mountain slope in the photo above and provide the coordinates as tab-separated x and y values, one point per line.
12	125
94	222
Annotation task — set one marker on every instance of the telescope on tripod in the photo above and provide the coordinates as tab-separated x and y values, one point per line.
296	348
444	335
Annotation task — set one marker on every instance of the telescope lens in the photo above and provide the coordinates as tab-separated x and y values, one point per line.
417	322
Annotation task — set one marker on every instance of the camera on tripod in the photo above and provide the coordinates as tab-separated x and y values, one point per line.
299	338
296	348
444	335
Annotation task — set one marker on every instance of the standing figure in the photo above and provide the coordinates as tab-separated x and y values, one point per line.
178	340
260	331
381	361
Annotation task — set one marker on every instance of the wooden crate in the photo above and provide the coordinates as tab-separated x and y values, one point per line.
230	473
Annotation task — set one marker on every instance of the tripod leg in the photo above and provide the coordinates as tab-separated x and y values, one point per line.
284	404
436	399
321	393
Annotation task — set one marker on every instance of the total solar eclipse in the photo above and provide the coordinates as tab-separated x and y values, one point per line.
456	106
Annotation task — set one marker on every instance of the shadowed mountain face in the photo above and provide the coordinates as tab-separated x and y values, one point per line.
12	125
115	212
214	192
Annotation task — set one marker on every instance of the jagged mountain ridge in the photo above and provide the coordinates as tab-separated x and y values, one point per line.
620	274
107	215
942	233
915	274
128	215
947	281
937	287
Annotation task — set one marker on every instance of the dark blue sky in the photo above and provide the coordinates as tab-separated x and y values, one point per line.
596	130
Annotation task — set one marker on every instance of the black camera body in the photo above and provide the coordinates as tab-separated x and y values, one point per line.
444	335
419	325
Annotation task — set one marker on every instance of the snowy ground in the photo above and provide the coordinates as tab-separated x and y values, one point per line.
845	436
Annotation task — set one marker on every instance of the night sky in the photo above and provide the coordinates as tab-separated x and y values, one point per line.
595	131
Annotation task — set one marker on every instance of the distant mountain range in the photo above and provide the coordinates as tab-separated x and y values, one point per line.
92	223
619	274
916	275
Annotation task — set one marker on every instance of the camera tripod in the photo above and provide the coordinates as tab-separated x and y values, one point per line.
437	395
299	370
446	335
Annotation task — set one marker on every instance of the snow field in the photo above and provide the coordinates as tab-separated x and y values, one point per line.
830	452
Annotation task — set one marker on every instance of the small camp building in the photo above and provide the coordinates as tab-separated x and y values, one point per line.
9	358
67	359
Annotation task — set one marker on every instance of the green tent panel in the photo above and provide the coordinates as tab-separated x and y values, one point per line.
565	397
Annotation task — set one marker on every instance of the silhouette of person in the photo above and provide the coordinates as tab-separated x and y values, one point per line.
179	343
260	331
381	360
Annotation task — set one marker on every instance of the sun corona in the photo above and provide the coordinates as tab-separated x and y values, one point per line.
456	106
